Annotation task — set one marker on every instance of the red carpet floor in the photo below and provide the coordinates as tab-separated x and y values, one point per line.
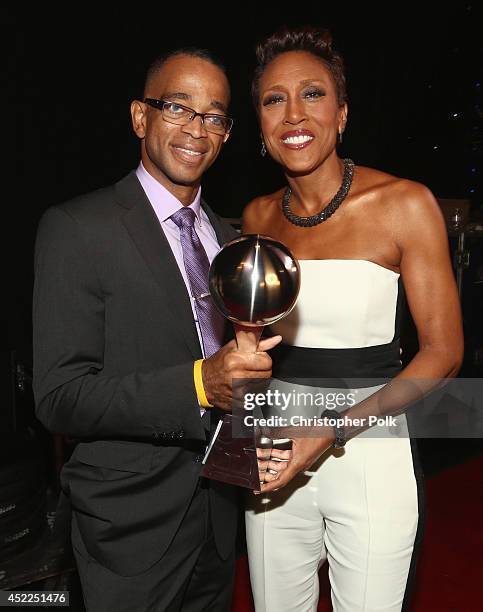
450	568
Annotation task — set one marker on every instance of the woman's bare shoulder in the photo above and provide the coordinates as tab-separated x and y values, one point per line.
261	210
399	194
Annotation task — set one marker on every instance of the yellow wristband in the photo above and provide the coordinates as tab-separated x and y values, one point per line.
200	390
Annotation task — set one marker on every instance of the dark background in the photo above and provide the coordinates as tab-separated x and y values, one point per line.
414	87
414	82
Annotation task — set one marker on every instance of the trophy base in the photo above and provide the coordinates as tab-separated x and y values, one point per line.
232	460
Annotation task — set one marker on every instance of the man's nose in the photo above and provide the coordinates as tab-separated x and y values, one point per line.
195	128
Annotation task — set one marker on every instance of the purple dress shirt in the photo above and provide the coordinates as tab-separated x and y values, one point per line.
165	204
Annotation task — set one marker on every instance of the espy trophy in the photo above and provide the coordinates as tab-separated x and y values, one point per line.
254	281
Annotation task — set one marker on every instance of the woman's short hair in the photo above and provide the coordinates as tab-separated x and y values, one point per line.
314	40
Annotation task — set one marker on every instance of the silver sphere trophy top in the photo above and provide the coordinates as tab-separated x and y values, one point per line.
254	281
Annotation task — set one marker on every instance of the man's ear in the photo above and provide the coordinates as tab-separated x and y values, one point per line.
138	118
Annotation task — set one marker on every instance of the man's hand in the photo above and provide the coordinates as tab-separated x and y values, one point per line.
220	369
305	452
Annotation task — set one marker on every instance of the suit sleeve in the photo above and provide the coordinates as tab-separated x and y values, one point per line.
72	394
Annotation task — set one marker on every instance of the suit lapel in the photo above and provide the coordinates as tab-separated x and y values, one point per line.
223	233
143	226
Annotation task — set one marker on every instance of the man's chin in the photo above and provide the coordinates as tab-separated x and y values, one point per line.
186	182
176	175
186	177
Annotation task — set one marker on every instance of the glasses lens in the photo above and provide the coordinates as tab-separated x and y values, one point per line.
176	113
217	124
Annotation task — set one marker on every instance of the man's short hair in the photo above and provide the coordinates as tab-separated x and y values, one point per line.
160	60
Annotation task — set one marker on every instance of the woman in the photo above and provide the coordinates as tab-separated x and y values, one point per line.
360	236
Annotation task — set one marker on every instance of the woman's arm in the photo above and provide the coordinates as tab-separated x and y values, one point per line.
430	287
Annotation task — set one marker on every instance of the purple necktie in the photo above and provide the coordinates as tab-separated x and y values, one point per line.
197	267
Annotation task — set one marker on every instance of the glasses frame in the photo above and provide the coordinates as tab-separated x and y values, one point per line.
160	104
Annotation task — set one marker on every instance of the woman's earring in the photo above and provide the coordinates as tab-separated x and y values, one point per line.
340	136
263	150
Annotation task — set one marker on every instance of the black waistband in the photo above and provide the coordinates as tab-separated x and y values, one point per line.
372	362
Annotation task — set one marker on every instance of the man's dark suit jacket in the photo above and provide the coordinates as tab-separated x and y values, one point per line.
114	346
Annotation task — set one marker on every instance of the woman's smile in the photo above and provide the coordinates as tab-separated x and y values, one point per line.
297	139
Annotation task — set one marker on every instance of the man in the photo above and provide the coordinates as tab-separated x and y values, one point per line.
118	345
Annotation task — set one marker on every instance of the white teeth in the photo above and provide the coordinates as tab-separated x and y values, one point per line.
188	151
297	139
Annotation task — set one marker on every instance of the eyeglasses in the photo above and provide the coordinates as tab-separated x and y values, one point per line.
178	114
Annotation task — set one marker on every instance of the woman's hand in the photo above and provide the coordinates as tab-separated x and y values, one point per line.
271	463
304	453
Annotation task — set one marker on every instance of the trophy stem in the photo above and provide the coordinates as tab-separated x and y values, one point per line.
247	338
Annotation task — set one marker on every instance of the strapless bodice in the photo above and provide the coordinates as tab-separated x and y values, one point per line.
342	303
